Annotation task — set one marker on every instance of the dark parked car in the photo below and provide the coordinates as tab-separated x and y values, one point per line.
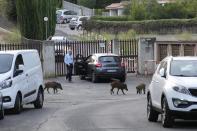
100	65
1	107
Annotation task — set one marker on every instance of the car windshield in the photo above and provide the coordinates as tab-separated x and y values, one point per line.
109	59
5	63
184	68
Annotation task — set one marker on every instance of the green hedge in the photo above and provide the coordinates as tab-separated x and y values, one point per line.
111	18
164	26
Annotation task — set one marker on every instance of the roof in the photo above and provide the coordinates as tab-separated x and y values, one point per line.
165	1
120	5
104	54
16	51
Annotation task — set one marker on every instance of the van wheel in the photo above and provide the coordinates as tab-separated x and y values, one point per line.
166	118
94	78
38	104
2	113
18	105
151	113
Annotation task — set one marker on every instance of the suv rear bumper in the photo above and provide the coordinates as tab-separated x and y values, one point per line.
111	75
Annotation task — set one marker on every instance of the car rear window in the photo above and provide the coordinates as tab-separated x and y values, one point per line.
109	59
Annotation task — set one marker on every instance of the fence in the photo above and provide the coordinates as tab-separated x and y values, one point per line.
23	46
128	52
175	48
84	48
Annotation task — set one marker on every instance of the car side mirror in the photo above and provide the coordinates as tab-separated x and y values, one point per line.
19	70
162	72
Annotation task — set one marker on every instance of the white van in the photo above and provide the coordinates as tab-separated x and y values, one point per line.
21	79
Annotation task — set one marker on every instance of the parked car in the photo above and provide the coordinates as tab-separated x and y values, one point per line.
21	79
76	22
64	16
58	39
101	65
173	90
1	107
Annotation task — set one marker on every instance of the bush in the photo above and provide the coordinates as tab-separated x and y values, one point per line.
147	26
111	18
147	10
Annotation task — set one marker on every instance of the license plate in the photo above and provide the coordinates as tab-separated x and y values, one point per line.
111	70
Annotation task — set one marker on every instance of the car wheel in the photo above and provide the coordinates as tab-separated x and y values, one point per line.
151	113
166	118
2	113
38	104
18	105
94	78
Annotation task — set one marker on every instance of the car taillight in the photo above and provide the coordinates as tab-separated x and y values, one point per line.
98	65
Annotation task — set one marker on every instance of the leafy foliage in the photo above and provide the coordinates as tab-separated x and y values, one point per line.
30	18
87	3
151	9
162	26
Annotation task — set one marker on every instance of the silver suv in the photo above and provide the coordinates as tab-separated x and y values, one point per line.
76	22
64	16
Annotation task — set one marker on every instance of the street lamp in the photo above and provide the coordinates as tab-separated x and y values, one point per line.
46	20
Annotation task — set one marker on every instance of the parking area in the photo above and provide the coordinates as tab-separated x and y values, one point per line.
85	106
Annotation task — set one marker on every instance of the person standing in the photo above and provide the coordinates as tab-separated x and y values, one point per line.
68	60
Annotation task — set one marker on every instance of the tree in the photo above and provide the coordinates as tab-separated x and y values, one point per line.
2	7
138	10
11	10
59	3
100	4
30	18
87	3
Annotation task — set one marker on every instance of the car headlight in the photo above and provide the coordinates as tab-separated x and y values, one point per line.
181	89
5	84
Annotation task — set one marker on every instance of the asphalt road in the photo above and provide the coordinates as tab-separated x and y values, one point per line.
84	106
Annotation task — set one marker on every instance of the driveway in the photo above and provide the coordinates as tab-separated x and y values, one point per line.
84	106
64	30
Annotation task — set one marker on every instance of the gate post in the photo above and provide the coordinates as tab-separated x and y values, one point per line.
48	59
146	55
116	47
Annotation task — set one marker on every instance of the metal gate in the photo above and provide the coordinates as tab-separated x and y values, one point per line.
84	48
175	48
128	52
